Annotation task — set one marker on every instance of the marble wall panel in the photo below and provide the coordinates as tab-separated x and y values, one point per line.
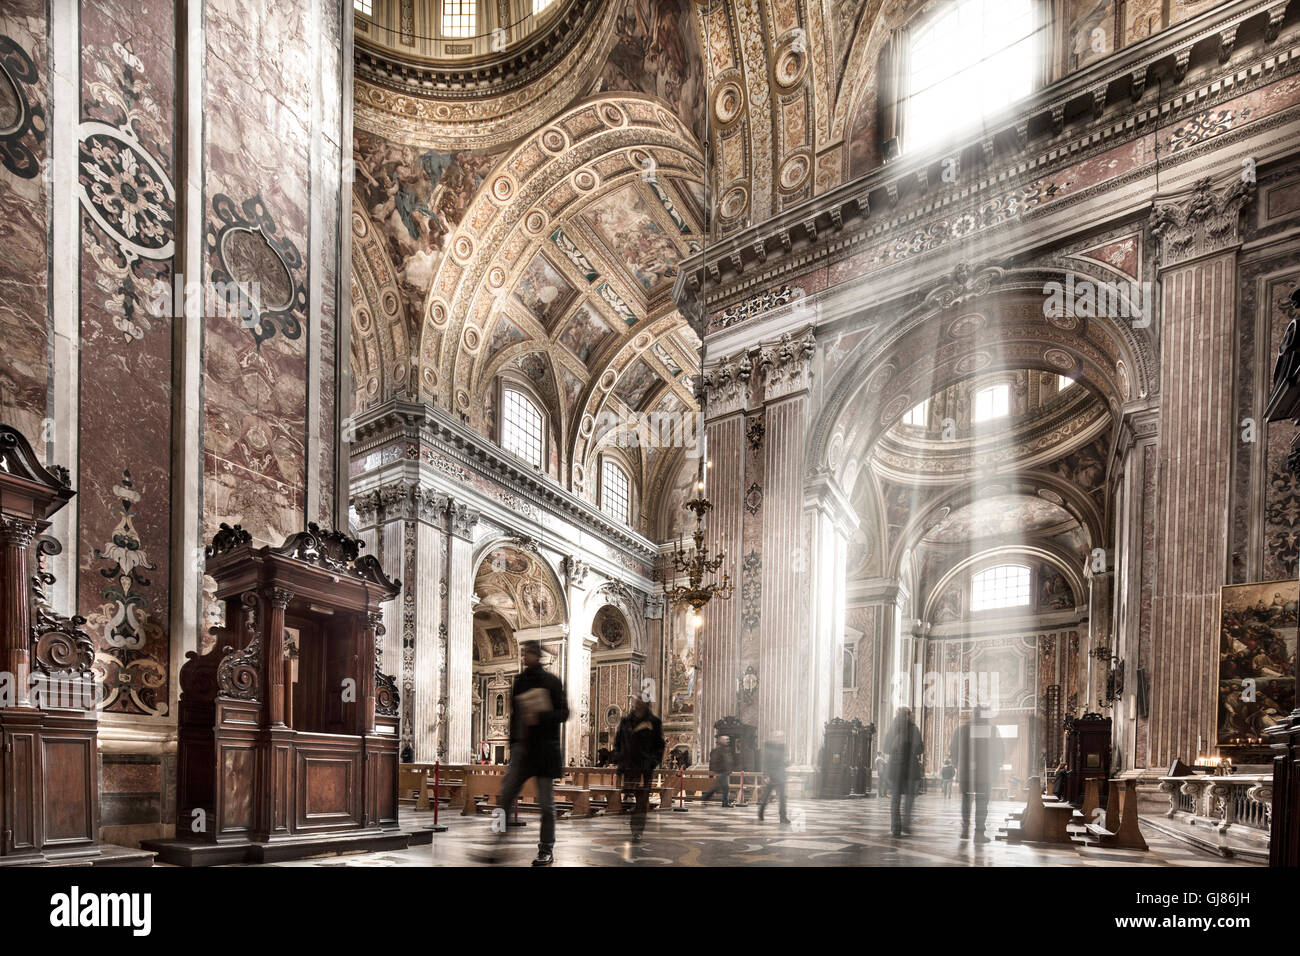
129	299
24	225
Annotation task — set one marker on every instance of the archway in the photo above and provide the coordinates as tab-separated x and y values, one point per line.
496	662
517	599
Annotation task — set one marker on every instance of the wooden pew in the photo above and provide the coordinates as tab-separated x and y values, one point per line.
1120	830
1039	822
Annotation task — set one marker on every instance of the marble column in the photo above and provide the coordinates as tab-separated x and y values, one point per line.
577	677
426	595
718	641
788	661
1134	563
830	520
1197	231
454	743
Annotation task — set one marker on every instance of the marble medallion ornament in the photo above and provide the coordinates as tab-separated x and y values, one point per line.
247	250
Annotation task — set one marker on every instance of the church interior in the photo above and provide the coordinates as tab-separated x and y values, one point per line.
895	400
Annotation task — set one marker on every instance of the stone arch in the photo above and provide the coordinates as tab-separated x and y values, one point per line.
941	341
1045	555
514	580
380	344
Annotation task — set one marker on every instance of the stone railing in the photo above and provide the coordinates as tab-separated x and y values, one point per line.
1237	806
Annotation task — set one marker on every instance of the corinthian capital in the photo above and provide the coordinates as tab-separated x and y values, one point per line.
1200	221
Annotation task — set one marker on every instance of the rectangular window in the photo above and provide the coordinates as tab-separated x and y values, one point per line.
362	7
614	488
992	402
521	427
540	5
458	17
1004	586
918	415
1063	382
969	61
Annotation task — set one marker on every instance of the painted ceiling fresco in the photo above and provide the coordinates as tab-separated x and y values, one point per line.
514	584
1003	515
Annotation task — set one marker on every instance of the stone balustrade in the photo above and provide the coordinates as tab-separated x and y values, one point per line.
1232	812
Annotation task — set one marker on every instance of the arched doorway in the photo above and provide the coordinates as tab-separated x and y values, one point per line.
617	672
517	599
496	662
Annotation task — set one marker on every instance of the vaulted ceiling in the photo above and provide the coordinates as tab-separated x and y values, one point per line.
499	233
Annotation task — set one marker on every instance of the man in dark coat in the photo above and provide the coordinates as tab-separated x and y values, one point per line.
638	748
977	752
904	747
538	709
720	764
774	770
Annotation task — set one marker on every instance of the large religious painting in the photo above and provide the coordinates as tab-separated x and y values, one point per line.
1257	645
681	669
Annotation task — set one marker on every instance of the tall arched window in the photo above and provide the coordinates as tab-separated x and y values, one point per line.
540	5
615	491
459	18
970	60
521	426
1006	585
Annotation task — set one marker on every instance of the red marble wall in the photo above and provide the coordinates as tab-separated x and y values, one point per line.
258	179
24	227
128	219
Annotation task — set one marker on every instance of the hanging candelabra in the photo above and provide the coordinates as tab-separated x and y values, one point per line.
701	584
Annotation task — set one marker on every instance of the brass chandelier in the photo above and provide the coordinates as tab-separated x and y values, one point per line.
698	567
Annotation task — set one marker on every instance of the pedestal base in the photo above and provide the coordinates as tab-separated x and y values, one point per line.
196	853
105	854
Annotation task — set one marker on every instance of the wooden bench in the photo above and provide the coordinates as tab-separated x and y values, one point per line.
415	783
1120	830
1039	822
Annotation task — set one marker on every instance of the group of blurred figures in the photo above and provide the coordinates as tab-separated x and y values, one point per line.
974	758
539	710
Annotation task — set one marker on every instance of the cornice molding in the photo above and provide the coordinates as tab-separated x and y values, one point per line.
830	227
379	425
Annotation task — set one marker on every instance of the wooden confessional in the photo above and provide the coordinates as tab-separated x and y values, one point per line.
288	732
49	778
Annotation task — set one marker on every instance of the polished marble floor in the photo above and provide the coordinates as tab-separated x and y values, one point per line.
852	832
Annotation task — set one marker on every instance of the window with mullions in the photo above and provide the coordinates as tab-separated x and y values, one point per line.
970	60
362	7
614	491
918	416
458	17
540	5
521	427
1006	585
992	402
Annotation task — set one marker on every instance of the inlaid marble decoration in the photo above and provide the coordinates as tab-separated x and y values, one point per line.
261	192
24	228
129	300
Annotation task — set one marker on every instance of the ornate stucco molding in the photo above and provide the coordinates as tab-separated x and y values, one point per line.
1029	147
1199	222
